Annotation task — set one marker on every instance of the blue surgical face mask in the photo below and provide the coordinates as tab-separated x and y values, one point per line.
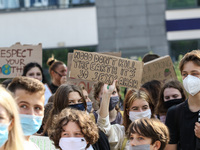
3	133
78	106
30	124
89	106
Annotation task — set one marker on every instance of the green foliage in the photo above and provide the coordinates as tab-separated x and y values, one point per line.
176	67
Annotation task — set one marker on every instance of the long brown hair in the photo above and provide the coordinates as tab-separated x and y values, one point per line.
61	101
130	97
160	109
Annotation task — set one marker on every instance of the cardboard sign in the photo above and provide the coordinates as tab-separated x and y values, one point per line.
106	69
14	58
43	142
160	69
79	82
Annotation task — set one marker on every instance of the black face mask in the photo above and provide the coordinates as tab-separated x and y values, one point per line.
113	102
78	106
172	102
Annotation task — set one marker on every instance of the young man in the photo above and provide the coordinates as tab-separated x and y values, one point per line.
29	95
182	119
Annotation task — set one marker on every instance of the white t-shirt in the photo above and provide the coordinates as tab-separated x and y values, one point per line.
28	145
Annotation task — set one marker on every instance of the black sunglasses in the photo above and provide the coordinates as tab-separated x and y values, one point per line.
57	73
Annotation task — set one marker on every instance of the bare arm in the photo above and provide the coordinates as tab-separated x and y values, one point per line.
104	106
171	147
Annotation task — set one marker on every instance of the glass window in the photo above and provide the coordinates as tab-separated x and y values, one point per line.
181	47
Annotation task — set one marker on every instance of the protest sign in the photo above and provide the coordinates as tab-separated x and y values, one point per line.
105	68
14	58
43	142
160	69
79	82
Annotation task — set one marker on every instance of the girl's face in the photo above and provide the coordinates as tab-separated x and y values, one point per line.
171	93
60	71
4	118
74	98
34	73
139	105
71	129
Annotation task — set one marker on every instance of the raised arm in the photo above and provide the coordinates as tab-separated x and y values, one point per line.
104	106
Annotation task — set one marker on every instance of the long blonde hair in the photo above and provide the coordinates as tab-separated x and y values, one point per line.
15	137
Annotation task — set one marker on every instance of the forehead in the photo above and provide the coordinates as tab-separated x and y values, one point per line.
71	126
61	67
74	96
139	103
190	66
85	93
31	98
171	91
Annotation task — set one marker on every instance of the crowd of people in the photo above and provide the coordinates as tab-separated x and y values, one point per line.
156	116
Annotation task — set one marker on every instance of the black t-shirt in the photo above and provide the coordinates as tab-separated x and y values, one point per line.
53	88
102	143
181	122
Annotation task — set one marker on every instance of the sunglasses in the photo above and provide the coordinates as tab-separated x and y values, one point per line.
58	73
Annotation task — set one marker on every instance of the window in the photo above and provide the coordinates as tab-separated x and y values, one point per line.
182	47
10	5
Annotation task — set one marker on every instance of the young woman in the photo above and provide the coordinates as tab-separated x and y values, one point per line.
137	104
172	93
11	137
115	115
70	96
147	134
73	130
34	70
58	72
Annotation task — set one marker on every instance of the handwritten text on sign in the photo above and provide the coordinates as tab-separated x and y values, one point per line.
105	68
14	58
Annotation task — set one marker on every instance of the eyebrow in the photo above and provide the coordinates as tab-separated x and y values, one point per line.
23	102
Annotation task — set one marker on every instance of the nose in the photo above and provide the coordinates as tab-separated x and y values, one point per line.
133	143
140	110
31	112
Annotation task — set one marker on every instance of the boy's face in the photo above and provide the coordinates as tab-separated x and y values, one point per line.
136	139
30	103
190	69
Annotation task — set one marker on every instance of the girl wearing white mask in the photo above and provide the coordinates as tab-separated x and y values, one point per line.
137	104
147	134
182	119
73	130
11	137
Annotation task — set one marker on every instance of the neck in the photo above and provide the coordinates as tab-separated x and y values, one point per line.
194	102
112	115
55	82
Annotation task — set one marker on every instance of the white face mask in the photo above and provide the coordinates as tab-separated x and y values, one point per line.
140	147
137	115
72	143
191	84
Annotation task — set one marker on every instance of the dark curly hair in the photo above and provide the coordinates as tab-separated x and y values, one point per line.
88	128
